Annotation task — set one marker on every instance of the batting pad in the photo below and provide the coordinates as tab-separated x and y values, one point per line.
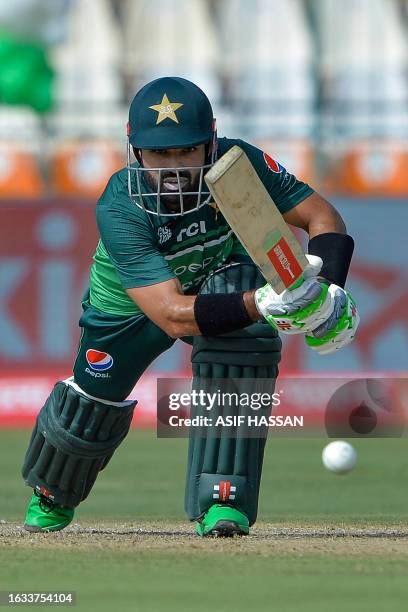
73	440
225	464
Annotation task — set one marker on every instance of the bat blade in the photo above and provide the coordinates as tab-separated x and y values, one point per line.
256	220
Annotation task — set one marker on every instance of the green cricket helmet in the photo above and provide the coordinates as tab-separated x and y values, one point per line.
170	113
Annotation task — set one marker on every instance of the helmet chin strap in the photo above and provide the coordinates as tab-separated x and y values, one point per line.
213	145
138	154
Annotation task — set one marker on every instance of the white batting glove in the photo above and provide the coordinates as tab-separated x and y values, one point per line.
299	310
340	327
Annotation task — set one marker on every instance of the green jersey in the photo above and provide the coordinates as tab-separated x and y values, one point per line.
137	249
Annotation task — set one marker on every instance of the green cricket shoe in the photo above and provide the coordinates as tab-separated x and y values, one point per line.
223	521
44	515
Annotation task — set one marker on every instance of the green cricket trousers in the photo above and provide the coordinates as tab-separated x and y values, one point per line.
114	351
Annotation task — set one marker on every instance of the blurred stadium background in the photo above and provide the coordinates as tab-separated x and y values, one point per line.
321	85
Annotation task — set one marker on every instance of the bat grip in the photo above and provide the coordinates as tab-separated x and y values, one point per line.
297	283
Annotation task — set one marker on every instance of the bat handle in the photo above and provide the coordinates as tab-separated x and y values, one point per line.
312	269
297	283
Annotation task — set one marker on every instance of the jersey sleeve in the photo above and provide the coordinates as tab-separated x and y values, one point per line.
284	188
129	241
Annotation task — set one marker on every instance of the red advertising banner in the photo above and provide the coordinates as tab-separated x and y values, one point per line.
46	249
45	253
320	402
22	396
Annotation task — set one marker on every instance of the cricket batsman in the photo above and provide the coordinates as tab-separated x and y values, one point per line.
168	266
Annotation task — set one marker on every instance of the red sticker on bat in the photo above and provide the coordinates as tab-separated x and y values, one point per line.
284	262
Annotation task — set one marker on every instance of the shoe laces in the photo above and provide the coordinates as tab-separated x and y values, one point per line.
46	504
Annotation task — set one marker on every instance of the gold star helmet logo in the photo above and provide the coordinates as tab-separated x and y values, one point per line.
166	110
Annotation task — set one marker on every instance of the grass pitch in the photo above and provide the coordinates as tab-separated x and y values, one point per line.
323	542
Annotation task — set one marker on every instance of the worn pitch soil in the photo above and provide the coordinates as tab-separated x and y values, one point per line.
266	539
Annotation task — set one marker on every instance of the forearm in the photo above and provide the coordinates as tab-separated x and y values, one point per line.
316	216
182	314
180	317
250	305
326	220
328	236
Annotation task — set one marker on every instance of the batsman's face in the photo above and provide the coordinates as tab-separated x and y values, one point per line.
169	184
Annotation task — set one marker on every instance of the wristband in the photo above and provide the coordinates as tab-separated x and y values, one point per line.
336	251
220	313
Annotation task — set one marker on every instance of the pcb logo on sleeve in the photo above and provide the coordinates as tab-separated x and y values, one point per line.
273	164
99	361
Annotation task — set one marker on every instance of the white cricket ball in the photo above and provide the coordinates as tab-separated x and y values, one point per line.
339	457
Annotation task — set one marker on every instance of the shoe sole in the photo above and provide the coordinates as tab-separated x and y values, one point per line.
36	529
33	528
226	529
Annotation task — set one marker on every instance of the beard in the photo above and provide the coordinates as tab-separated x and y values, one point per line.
169	198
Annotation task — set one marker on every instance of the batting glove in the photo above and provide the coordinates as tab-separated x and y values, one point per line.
299	310
340	326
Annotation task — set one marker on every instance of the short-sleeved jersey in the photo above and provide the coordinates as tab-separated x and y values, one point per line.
137	249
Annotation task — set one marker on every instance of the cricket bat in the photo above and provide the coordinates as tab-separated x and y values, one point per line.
255	219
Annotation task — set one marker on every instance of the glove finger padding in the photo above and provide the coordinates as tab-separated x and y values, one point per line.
298	311
340	329
290	302
340	300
